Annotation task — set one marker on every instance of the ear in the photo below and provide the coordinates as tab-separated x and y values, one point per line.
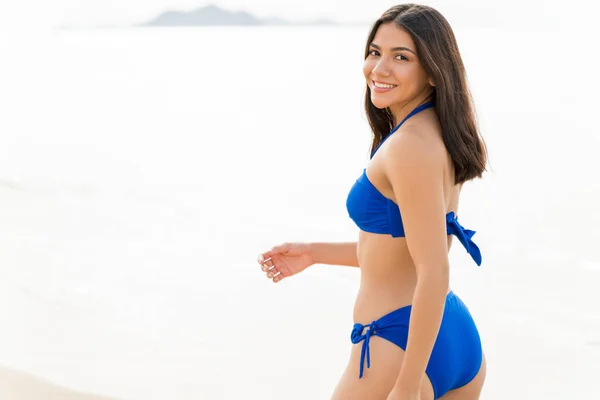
431	82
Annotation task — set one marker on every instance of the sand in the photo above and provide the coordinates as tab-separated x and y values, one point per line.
15	385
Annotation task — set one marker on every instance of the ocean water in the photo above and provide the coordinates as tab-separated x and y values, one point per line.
143	170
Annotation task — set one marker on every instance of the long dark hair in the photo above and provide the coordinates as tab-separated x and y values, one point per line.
439	55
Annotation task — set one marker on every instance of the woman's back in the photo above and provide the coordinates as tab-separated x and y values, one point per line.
388	275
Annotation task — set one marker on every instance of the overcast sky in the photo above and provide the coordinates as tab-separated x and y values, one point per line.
51	13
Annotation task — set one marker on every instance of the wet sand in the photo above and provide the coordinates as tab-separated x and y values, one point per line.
15	385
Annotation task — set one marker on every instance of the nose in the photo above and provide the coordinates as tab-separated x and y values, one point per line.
381	68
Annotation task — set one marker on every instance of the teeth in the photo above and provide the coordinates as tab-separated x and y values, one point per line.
383	85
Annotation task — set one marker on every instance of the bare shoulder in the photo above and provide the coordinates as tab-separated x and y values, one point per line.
417	149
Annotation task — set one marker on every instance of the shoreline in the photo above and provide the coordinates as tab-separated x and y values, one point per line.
18	385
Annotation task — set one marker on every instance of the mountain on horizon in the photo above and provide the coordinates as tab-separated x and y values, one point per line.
212	15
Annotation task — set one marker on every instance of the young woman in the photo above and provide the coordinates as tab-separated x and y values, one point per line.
413	338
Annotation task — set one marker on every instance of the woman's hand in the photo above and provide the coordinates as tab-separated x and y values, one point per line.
285	260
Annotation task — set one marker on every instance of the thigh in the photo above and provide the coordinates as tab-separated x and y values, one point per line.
472	390
378	380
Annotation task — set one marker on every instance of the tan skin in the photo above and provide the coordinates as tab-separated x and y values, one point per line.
414	169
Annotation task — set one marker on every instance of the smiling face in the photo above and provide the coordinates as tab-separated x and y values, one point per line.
392	69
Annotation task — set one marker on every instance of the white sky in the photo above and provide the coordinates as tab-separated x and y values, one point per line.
49	13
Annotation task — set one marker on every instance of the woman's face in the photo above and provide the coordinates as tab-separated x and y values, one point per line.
393	65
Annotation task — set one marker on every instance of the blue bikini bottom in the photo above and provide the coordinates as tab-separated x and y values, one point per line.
456	356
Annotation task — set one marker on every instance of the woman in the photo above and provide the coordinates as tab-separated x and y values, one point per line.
413	338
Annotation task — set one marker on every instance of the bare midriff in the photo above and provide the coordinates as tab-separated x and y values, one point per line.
388	276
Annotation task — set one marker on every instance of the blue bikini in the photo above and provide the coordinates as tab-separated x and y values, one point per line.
457	355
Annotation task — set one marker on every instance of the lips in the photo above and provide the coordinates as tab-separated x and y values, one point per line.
380	89
383	85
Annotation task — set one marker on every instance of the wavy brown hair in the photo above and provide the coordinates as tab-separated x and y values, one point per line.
439	55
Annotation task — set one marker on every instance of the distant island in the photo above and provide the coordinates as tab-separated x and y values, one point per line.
214	16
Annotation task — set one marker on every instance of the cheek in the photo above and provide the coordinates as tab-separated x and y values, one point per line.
404	73
367	69
413	75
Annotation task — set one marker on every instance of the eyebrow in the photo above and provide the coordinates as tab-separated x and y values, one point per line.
395	48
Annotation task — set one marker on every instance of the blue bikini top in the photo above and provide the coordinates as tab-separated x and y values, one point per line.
372	212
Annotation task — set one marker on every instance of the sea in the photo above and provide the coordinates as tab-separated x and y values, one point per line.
142	171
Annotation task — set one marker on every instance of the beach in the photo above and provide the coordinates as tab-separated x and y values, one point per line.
21	386
142	171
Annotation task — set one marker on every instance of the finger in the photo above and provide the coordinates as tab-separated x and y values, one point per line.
266	264
272	272
261	259
278	278
269	262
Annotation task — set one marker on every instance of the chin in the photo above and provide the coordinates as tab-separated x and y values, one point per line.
380	104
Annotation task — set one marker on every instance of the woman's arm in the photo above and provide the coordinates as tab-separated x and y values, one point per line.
334	253
415	166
